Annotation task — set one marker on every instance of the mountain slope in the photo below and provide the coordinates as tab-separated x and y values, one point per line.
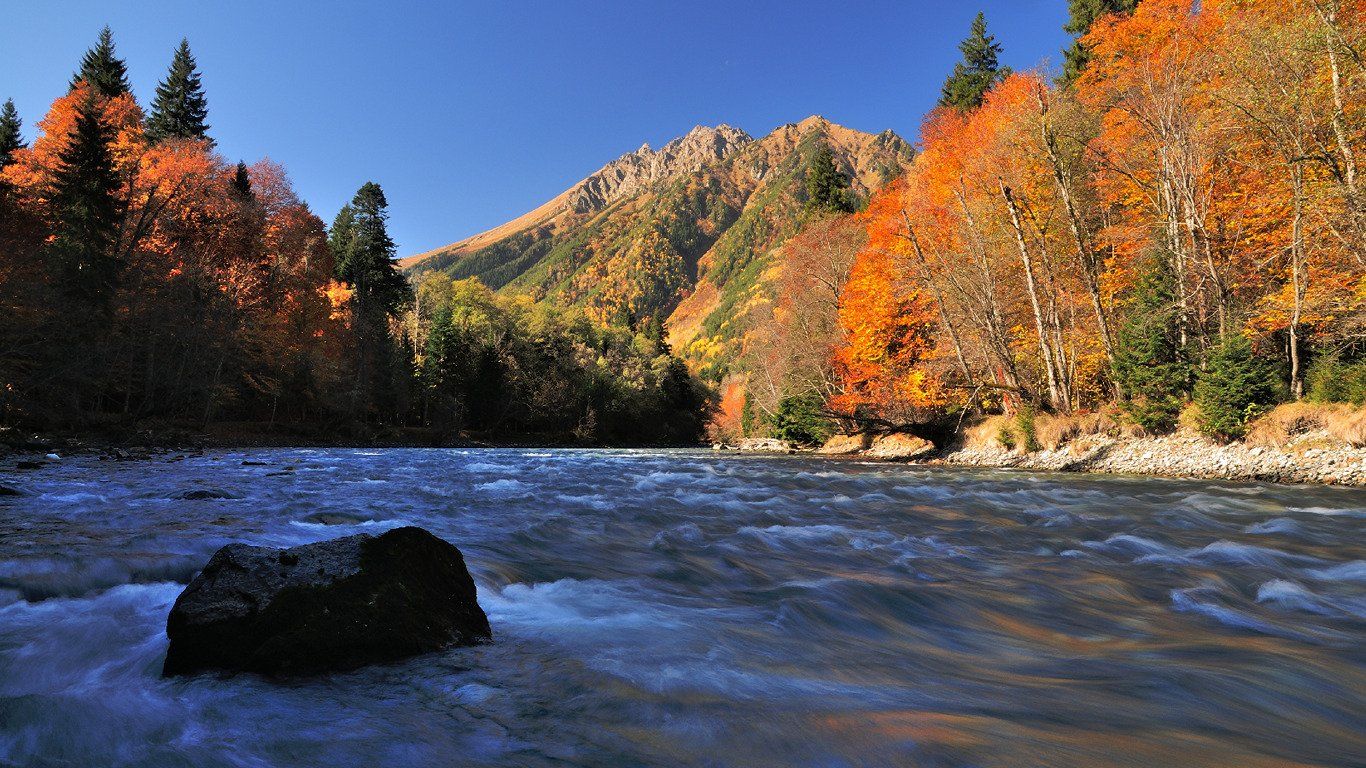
683	233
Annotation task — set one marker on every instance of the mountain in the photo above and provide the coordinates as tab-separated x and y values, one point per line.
683	234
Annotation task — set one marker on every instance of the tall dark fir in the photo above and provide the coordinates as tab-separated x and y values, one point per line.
102	69
11	132
364	252
979	70
85	202
827	187
180	109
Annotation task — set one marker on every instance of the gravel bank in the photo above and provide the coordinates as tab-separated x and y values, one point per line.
1177	456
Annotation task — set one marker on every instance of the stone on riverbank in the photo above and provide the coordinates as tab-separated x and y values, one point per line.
764	445
899	446
333	605
845	445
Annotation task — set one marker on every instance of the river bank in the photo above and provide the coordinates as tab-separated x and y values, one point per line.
1295	443
1180	455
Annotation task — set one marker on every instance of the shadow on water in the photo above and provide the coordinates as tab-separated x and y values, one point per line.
676	608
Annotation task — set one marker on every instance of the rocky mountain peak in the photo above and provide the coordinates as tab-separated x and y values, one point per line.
634	172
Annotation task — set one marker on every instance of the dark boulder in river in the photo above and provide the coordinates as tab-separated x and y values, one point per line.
330	606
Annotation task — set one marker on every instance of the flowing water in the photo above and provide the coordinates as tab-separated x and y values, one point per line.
680	609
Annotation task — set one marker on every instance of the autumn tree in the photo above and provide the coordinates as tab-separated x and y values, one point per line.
1081	14
103	69
979	70
180	109
11	132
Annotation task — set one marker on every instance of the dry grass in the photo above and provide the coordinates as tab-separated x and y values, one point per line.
1287	423
1057	431
985	433
1052	431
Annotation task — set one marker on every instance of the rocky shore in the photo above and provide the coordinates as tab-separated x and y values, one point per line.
1291	446
1177	456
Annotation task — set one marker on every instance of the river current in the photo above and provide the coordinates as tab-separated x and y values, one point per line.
685	609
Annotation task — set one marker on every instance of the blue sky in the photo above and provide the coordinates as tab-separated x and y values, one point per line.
472	113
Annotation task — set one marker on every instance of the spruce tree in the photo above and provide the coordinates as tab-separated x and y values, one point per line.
180	109
106	73
1081	15
979	70
1149	362
1234	388
85	200
241	182
364	252
11	136
827	188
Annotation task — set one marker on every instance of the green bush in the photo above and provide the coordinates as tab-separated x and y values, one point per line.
1024	425
1005	437
1235	388
1330	380
799	420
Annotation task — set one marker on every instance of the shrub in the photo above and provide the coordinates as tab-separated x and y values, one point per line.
1235	388
1024	426
1330	380
799	420
1005	437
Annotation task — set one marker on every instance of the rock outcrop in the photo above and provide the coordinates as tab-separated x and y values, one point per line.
845	445
899	446
334	605
636	172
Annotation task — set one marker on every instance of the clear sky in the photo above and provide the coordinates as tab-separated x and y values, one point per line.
471	113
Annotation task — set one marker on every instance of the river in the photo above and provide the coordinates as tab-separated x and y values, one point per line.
685	609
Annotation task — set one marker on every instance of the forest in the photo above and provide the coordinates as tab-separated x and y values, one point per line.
149	283
1172	230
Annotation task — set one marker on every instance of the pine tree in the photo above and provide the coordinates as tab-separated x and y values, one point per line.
979	70
84	198
1234	388
241	182
105	72
180	109
11	137
1081	15
364	252
1149	362
827	188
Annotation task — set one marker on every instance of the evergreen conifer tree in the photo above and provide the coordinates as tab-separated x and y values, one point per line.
1234	388
84	197
979	70
179	110
106	73
1081	15
11	136
241	182
1149	362
364	252
827	188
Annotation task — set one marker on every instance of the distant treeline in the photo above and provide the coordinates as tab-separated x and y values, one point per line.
144	277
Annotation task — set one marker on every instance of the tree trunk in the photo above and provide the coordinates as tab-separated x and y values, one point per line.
1045	348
